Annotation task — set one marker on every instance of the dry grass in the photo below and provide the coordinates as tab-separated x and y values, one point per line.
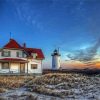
57	78
2	90
58	84
12	82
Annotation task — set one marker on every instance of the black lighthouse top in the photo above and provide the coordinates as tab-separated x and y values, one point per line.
56	53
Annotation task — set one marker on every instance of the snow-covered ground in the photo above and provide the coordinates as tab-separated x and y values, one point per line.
58	87
22	94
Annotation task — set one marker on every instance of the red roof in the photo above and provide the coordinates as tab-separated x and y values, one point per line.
34	50
13	60
13	44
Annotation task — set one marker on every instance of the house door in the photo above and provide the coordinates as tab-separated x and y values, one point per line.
22	68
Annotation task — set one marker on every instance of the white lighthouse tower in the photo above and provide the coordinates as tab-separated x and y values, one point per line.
55	60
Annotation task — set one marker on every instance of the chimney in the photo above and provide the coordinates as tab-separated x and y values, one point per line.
10	39
24	45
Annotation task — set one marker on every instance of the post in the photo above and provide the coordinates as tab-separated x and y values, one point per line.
41	67
19	68
27	68
9	67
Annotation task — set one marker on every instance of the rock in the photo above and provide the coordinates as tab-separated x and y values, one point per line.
97	97
31	97
2	98
2	90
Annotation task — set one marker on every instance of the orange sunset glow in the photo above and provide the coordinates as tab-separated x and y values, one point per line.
80	65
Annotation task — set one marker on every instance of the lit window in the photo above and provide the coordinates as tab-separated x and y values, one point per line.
34	66
5	65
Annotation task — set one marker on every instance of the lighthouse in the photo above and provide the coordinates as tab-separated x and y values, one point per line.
55	59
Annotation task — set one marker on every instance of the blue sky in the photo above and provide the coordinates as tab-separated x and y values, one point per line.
69	24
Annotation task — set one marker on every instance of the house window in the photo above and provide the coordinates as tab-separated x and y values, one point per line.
24	55
5	65
34	55
6	53
19	54
34	66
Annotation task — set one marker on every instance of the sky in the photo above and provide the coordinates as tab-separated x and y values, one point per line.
73	26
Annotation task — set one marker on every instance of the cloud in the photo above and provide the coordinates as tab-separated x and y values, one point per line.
93	18
87	55
26	12
33	11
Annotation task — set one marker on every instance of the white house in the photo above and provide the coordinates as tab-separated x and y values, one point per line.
17	59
